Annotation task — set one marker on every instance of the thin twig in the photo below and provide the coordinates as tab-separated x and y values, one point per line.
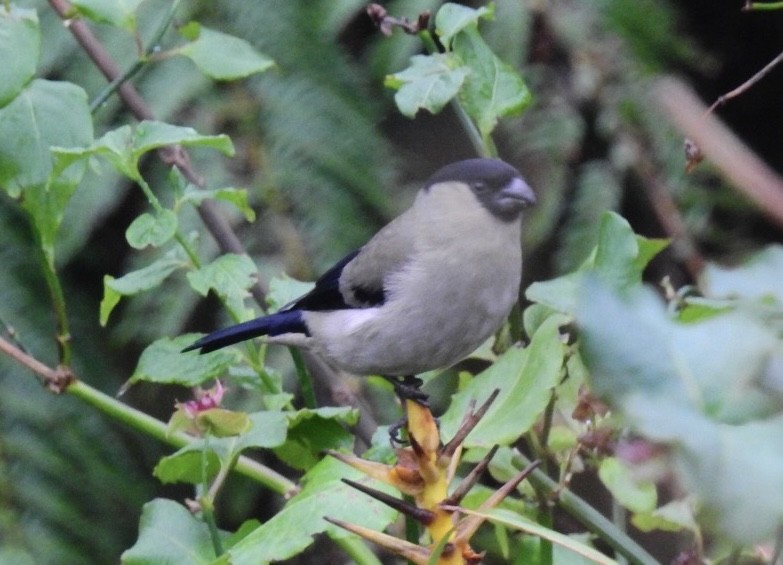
741	89
741	166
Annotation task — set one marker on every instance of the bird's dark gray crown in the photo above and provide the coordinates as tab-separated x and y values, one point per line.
487	178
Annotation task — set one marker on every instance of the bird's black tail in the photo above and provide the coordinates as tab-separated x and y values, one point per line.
290	321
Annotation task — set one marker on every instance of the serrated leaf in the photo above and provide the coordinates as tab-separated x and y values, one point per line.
224	57
525	378
492	89
453	18
164	362
229	276
119	13
152	231
635	495
235	196
135	282
310	432
169	533
20	45
290	531
283	290
429	83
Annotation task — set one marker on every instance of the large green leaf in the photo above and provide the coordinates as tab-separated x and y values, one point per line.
492	89
323	494
701	388
164	362
44	114
20	44
429	83
169	533
525	378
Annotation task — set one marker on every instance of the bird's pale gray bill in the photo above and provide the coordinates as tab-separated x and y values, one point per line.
518	189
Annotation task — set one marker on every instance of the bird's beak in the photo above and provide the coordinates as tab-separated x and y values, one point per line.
519	191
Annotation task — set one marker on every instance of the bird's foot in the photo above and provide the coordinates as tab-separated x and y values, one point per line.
406	388
409	388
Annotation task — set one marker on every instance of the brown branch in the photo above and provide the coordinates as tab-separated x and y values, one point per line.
221	230
56	380
741	89
741	166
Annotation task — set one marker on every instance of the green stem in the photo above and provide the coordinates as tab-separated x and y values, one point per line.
756	6
587	515
484	146
305	382
58	303
152	427
207	501
140	63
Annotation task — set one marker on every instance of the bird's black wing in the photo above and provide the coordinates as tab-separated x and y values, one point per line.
326	294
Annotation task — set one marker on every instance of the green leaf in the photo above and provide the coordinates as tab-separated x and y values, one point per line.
229	276
224	57
152	231
672	517
220	422
454	18
169	533
635	495
235	196
283	290
323	493
525	378
116	146
619	259
267	430
430	82
164	362
715	367
44	114
151	135
119	13
758	278
493	89
310	432
135	282
698	388
20	46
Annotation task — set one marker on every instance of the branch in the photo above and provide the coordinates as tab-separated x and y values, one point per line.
741	166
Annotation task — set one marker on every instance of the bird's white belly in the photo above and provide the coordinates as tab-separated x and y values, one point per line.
417	331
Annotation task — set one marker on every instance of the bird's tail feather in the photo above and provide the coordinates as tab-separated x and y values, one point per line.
280	323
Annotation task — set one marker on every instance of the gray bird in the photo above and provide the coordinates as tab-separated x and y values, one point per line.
424	292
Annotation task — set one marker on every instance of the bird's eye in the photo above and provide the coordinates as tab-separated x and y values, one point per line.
479	187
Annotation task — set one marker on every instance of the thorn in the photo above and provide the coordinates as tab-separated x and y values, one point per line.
404	478
412	552
467	527
467	425
469	482
423	515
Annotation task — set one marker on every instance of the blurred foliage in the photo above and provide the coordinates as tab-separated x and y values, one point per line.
327	159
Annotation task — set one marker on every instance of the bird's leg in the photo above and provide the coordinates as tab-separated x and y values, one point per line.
406	388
